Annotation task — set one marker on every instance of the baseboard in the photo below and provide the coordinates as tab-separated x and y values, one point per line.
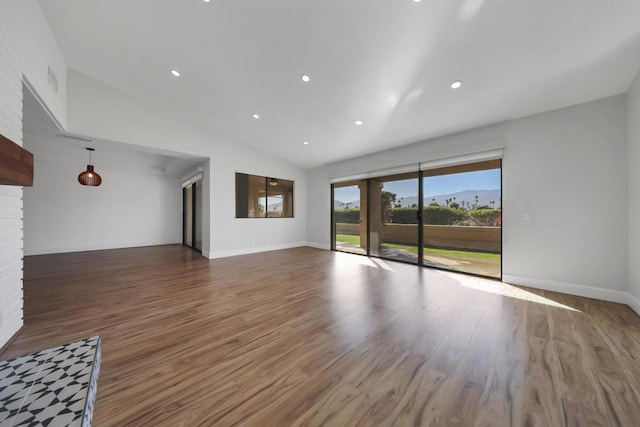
206	254
94	247
254	250
319	246
634	303
575	289
10	340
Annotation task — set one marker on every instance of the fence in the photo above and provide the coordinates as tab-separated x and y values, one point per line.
486	239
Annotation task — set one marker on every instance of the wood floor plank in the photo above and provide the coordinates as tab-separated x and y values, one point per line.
308	337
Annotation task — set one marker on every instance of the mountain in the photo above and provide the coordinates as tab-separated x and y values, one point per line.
485	197
337	204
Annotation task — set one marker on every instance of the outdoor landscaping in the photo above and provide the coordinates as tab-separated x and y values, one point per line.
355	240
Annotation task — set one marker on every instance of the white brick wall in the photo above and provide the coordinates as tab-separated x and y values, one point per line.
27	49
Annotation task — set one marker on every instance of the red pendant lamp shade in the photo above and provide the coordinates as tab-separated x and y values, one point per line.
90	177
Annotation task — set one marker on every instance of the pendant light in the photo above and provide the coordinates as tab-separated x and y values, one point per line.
273	182
89	177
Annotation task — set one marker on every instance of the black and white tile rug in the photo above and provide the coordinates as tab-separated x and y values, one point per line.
54	387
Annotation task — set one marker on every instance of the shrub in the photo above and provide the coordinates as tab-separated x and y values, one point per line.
433	215
404	216
442	215
347	216
484	217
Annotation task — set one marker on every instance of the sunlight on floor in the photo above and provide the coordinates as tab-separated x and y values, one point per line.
507	290
382	264
346	260
351	260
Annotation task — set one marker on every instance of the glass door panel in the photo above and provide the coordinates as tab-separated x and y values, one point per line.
192	215
187	218
198	216
350	217
463	218
394	202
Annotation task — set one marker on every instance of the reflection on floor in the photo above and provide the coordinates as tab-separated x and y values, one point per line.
310	337
460	263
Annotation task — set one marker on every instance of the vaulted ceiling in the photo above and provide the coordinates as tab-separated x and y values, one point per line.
388	63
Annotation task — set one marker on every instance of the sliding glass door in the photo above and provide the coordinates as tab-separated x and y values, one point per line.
350	217
447	218
393	231
463	218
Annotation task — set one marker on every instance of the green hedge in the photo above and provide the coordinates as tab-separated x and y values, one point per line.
484	217
404	216
442	215
347	216
433	215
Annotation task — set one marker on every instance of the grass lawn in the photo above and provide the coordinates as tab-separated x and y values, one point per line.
355	240
348	239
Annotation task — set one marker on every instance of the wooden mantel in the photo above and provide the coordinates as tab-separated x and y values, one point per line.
16	164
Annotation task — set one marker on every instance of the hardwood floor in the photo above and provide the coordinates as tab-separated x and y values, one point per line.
311	337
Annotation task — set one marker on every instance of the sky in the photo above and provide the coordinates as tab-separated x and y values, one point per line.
447	184
433	185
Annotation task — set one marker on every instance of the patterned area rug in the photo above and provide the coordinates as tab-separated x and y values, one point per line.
54	387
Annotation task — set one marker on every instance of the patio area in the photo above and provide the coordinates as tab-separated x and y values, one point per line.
481	263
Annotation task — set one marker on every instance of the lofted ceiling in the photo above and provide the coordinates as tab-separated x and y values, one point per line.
388	63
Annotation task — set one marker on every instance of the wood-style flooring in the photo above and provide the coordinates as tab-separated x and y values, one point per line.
311	337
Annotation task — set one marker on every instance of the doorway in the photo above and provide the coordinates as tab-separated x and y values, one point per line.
192	215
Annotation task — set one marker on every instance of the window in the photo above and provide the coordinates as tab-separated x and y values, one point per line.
263	197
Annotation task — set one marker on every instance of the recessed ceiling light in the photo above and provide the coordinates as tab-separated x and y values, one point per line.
415	1
305	78
358	122
176	73
256	116
306	143
206	1
456	84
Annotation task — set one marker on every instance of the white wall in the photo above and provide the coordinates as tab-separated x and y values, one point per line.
27	49
633	120
129	209
104	112
567	167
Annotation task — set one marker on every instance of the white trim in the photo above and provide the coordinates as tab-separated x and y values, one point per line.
264	175
319	246
479	156
612	295
376	173
254	250
97	247
194	176
473	157
634	303
205	254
